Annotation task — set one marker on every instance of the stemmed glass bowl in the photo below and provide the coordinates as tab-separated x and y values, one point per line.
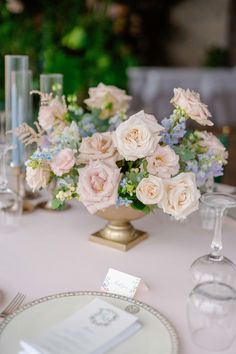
211	312
215	266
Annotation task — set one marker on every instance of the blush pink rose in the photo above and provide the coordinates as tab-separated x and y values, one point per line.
163	163
98	185
211	142
46	118
182	196
63	162
99	146
109	99
189	101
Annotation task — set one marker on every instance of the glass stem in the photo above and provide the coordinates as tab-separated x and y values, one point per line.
3	174
216	245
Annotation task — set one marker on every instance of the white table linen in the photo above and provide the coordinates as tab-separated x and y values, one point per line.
50	253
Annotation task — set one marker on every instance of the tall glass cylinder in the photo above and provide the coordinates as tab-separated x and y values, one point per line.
18	105
20	111
12	63
52	83
2	127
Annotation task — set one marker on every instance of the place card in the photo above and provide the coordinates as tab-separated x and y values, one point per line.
120	283
94	329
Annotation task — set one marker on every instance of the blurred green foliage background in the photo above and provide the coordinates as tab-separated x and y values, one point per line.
75	37
92	41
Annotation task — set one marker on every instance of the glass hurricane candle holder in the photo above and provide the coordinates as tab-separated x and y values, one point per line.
17	101
52	83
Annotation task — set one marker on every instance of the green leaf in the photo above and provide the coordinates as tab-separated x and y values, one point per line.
184	153
57	204
145	164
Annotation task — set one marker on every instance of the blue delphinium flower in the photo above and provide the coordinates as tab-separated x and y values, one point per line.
114	122
123	202
175	129
205	166
87	126
123	182
42	155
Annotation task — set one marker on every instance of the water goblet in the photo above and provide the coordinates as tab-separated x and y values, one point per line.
10	202
215	266
211	313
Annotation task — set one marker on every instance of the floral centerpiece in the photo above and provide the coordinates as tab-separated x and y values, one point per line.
135	162
106	109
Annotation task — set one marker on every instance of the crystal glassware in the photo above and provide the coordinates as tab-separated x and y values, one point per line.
215	266
211	313
51	83
10	202
17	101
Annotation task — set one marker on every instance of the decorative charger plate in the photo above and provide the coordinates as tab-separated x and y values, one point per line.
157	335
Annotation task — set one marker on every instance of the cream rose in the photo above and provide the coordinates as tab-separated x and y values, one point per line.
38	177
99	146
138	136
213	143
190	102
163	163
109	99
182	196
98	185
150	190
46	118
63	162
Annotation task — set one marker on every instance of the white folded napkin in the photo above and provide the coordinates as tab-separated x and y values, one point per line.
94	329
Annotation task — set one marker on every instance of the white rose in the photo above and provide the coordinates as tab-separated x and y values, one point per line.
190	102
164	162
37	177
213	143
150	190
182	196
138	136
109	99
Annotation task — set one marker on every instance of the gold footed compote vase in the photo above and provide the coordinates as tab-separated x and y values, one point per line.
119	233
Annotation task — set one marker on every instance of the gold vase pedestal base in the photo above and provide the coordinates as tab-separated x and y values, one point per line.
119	233
119	245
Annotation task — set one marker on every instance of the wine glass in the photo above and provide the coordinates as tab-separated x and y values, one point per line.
215	266
211	312
10	202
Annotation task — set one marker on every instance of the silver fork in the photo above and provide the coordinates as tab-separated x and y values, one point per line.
13	305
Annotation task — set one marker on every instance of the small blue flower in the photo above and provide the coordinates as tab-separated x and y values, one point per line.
174	130
123	182
123	202
42	155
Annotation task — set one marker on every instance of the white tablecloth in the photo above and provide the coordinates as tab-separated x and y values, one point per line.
152	89
50	253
